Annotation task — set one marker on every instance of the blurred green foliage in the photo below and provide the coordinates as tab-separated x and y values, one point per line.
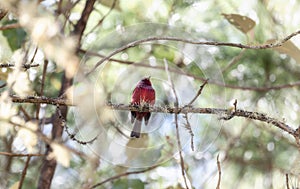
15	37
247	147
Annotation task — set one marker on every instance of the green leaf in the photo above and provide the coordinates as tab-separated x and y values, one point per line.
110	3
15	37
162	52
129	183
243	23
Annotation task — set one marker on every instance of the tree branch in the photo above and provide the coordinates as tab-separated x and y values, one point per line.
26	66
41	100
81	24
177	125
217	111
219	171
198	93
209	43
42	87
19	155
167	109
102	19
221	84
24	172
49	166
124	174
171	110
189	128
287	181
10	26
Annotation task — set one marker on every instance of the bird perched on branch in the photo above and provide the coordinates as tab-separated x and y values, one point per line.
142	95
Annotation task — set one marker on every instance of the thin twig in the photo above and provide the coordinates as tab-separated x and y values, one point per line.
232	140
287	181
10	26
209	43
234	61
42	87
26	66
177	125
72	136
189	127
3	13
34	54
19	155
217	83
102	19
219	171
120	131
235	104
3	85
24	172
8	143
198	93
26	114
123	175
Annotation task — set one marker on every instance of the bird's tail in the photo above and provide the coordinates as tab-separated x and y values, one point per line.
136	131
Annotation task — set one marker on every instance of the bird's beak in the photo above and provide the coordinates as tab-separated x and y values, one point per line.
149	77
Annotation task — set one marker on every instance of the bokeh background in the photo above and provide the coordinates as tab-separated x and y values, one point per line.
252	154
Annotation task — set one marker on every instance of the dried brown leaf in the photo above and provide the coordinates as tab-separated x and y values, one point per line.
243	23
288	48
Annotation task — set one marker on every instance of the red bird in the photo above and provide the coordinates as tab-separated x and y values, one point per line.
143	94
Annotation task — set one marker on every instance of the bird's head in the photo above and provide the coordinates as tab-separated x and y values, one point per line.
146	81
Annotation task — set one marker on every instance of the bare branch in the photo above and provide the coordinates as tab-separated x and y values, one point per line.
10	26
72	136
3	85
171	110
3	13
24	172
26	66
209	43
235	104
181	72
42	86
287	181
177	125
124	174
25	113
41	100
231	115
189	127
81	24
19	155
49	165
219	171
234	60
102	19
34	54
217	111
198	93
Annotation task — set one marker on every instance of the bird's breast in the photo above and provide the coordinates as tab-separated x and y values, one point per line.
143	95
